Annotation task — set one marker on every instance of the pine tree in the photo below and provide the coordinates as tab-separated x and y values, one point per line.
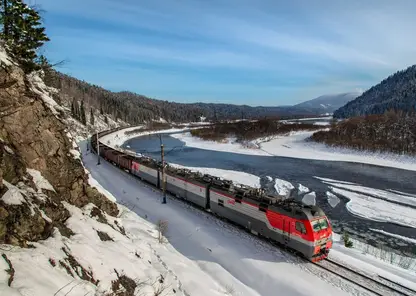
73	109
23	32
91	117
101	110
105	119
82	117
347	242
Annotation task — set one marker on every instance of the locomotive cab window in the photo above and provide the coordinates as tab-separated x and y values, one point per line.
319	224
300	227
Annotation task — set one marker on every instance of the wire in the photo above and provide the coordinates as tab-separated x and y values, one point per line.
174	149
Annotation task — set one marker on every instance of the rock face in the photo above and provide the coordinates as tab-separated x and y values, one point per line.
33	136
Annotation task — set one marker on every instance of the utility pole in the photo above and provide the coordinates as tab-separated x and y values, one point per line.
162	157
162	151
98	150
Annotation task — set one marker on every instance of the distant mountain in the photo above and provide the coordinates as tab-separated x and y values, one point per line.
397	92
328	103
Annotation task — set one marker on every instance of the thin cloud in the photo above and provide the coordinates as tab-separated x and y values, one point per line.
287	50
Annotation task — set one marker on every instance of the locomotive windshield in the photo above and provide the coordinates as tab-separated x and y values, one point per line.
319	224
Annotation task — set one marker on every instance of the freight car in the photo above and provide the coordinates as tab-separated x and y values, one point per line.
300	227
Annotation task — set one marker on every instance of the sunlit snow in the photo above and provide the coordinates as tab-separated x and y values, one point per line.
39	180
12	195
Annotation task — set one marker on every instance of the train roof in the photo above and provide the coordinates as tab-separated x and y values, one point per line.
258	196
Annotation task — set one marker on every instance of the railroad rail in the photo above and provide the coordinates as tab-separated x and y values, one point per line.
410	290
363	281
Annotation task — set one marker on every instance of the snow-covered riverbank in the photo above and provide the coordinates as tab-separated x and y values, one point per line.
296	145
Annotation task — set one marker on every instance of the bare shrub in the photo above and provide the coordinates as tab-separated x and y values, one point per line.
158	287
162	229
229	290
245	131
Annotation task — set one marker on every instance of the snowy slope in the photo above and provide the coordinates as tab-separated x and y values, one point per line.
81	132
88	262
224	254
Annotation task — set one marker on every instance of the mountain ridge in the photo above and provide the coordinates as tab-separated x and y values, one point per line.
135	108
396	92
330	102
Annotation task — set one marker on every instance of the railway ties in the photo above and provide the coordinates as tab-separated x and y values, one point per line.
400	286
372	285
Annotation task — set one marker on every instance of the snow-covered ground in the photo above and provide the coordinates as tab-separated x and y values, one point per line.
102	250
228	257
229	146
295	145
375	204
354	258
81	132
117	139
395	235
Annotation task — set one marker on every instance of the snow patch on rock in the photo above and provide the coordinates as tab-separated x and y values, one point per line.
13	196
40	181
45	92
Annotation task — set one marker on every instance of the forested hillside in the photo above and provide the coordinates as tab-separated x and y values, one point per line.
391	132
134	108
397	92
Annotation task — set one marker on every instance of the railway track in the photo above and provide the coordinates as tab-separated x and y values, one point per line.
365	282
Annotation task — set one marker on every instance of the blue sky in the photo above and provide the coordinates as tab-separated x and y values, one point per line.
264	52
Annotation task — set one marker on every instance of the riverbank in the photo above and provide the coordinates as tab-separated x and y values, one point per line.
297	145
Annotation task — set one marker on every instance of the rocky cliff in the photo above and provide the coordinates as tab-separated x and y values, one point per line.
36	146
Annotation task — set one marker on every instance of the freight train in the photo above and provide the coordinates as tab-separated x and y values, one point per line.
302	228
